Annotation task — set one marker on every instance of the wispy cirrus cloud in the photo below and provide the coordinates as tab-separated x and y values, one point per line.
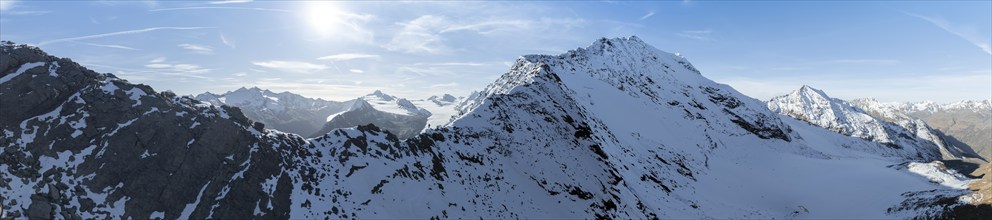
420	35
452	84
225	41
703	35
26	12
112	46
965	32
228	2
451	64
221	7
859	61
646	16
291	66
425	34
127	32
349	56
159	65
197	49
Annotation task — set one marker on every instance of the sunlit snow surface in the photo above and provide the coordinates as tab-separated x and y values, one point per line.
661	142
617	129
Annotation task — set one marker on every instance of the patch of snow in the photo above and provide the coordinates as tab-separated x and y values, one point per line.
157	215
53	68
25	67
146	154
937	172
190	207
109	87
135	94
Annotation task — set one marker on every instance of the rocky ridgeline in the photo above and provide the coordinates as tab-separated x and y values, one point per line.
618	129
79	144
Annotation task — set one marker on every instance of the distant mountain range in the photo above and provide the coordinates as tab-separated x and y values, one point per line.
310	117
283	111
964	123
614	130
888	124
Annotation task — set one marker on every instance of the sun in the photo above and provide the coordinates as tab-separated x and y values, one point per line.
324	18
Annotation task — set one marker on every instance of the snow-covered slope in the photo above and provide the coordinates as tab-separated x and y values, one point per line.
618	129
442	108
615	130
283	111
911	140
396	115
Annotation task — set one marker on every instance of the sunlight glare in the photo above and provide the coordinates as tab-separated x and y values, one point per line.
323	17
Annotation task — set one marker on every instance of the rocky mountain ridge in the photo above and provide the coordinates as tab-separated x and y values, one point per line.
617	129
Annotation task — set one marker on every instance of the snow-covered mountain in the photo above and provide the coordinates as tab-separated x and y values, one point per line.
964	123
618	129
396	115
283	111
442	108
933	107
911	139
615	130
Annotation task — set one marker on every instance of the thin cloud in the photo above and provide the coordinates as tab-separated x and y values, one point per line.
356	71
966	32
26	12
221	7
197	49
228	2
348	56
179	68
225	41
7	5
858	61
646	16
420	35
112	46
127	32
291	66
496	25
450	64
703	35
425	34
444	85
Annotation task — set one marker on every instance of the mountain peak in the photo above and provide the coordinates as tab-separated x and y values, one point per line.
809	91
378	93
443	98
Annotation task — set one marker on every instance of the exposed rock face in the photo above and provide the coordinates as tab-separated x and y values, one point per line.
78	144
284	111
983	187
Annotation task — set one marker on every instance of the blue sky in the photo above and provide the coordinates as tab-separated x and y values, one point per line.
893	51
